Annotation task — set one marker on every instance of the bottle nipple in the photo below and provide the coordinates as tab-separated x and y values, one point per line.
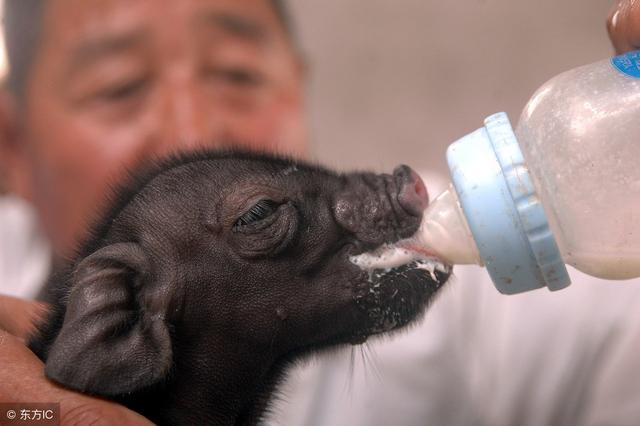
444	232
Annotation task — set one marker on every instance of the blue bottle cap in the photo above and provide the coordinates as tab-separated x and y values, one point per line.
503	210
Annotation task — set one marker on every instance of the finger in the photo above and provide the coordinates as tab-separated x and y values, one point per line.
22	379
623	26
18	316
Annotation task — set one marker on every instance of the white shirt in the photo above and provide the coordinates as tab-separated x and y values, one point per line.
24	253
570	357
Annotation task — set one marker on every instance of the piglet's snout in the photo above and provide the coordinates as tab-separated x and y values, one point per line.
412	192
382	208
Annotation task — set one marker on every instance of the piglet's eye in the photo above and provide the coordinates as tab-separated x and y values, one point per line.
261	210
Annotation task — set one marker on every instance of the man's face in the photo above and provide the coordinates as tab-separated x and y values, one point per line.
115	82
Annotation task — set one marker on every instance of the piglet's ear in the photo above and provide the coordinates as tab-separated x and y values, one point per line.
114	338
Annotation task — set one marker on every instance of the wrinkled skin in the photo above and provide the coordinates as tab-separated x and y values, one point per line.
195	293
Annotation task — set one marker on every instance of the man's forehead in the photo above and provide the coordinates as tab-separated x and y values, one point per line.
82	32
99	43
91	21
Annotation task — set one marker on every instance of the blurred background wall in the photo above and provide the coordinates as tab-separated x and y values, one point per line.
397	81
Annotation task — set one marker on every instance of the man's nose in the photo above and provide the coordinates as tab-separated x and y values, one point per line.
185	121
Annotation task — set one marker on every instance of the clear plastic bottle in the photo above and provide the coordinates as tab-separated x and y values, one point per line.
564	188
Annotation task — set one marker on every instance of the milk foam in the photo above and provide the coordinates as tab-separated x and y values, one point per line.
391	256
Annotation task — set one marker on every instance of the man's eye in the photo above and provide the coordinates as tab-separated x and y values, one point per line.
123	91
261	210
238	76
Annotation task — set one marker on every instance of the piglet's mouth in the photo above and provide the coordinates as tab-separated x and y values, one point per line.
401	279
390	256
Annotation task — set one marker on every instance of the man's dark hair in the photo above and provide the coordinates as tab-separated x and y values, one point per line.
22	28
282	12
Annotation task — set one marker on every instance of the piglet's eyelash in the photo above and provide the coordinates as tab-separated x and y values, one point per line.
261	210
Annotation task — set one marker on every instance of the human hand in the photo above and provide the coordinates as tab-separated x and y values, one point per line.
623	25
22	378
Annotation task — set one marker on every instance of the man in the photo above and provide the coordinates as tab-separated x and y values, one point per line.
28	381
96	87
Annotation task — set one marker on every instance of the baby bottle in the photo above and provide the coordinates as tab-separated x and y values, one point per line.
564	188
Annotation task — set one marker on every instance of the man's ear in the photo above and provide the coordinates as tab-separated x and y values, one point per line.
115	338
14	162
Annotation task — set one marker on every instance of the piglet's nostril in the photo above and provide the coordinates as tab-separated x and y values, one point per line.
412	192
